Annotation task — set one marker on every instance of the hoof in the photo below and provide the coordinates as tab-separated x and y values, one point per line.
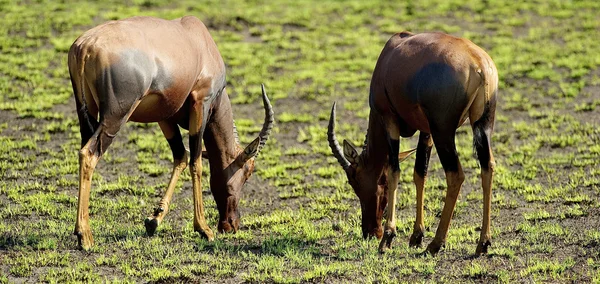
151	225
482	247
386	241
206	234
230	225
416	239
84	239
433	248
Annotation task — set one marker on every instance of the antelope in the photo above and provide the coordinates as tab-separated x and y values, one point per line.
146	69
430	82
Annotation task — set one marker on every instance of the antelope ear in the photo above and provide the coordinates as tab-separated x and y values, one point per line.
403	155
251	150
350	153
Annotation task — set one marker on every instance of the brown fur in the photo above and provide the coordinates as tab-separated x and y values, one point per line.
146	69
430	82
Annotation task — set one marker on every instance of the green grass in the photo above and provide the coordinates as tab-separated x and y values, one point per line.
300	218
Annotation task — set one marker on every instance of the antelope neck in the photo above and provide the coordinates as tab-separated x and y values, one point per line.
219	138
375	154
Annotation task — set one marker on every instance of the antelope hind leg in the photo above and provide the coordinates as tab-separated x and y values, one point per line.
89	155
87	163
446	147
152	222
419	175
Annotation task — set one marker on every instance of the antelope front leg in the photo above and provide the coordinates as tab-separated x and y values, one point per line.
200	224
419	227
152	222
389	232
393	174
198	117
180	162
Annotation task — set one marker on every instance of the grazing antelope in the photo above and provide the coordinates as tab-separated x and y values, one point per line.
431	82
146	69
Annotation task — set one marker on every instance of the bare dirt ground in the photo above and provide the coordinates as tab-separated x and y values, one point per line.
300	218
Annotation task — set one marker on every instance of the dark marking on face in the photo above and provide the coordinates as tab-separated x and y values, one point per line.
229	217
372	214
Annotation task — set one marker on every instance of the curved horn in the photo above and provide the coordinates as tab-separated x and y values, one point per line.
333	143
269	119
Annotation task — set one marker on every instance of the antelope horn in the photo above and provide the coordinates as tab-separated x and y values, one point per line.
269	119
235	133
333	143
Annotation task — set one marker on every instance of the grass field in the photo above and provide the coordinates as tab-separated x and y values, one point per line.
300	219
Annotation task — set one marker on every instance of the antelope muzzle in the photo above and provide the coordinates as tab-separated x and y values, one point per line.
229	217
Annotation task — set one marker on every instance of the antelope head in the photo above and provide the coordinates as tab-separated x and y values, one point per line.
368	181
236	174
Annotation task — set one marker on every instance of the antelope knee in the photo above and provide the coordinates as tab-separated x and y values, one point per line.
455	179
87	158
491	166
84	153
458	177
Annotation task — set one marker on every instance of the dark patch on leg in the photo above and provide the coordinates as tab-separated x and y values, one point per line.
87	124
176	145
393	154
480	139
481	147
195	148
444	140
423	154
86	128
108	130
449	159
